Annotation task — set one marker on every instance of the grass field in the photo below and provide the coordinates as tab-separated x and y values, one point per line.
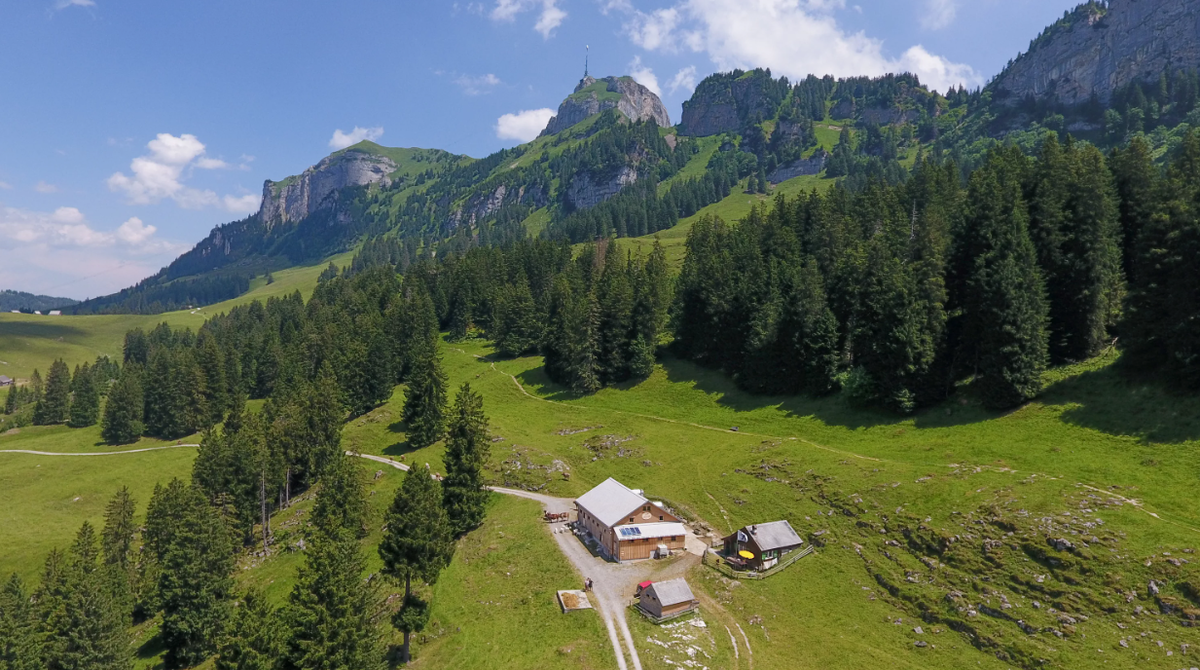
44	499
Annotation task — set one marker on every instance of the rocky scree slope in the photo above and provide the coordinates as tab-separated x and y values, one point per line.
1100	47
592	97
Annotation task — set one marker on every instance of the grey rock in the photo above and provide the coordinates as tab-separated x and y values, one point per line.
1104	49
637	103
1062	544
1152	587
319	187
585	191
921	643
798	168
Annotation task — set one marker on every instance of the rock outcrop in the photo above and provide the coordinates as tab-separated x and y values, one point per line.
1101	47
593	96
487	203
585	192
799	168
725	103
320	186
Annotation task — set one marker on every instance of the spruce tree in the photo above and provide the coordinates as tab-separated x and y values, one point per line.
521	325
85	403
332	613
324	413
425	401
87	632
254	638
195	581
54	405
808	333
1136	183
11	400
614	302
467	452
122	422
417	544
20	646
342	502
116	548
1005	299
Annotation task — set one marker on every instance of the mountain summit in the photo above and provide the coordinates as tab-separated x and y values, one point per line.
1100	47
593	96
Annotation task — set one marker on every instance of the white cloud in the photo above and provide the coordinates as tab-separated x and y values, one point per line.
524	126
68	227
643	75
159	174
550	17
212	164
243	204
63	4
133	231
939	13
341	140
685	79
792	37
43	187
5	186
478	85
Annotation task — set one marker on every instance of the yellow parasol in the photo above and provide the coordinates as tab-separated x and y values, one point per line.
745	554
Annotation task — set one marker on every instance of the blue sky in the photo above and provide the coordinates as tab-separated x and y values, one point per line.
130	128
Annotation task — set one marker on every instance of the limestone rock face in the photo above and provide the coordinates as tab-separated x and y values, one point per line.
487	203
585	192
1099	49
319	186
720	107
635	101
799	168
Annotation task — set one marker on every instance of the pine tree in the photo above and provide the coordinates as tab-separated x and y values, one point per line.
521	325
1136	184
116	548
54	405
20	646
342	502
808	330
85	404
1005	299
614	302
11	400
332	614
467	453
324	413
85	630
425	401
254	638
195	582
123	411
417	544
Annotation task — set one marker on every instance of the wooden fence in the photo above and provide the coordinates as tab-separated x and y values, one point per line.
714	561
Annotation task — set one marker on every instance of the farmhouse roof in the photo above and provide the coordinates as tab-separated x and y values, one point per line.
611	501
651	531
672	592
5	379
774	535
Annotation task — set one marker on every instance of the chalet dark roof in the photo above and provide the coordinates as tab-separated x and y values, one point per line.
672	592
773	535
5	380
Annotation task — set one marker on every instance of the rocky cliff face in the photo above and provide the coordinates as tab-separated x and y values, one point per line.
592	97
319	186
1101	47
586	192
487	203
725	104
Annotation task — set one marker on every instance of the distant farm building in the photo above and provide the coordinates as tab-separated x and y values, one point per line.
627	525
56	312
662	600
759	546
5	381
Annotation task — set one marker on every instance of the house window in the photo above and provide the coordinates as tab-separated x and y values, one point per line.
767	555
660	517
630	519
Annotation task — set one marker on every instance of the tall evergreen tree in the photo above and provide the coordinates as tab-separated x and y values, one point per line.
332	614
20	646
1005	299
87	632
195	582
123	411
85	403
520	323
116	549
417	544
1136	182
425	400
254	638
54	405
467	453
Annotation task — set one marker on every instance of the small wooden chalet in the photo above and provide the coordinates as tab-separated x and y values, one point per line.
667	599
765	543
5	381
627	525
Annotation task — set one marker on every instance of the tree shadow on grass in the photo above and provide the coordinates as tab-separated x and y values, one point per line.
54	331
833	410
1114	401
151	649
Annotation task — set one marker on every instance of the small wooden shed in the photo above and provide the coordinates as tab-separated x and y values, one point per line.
765	542
662	600
5	381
